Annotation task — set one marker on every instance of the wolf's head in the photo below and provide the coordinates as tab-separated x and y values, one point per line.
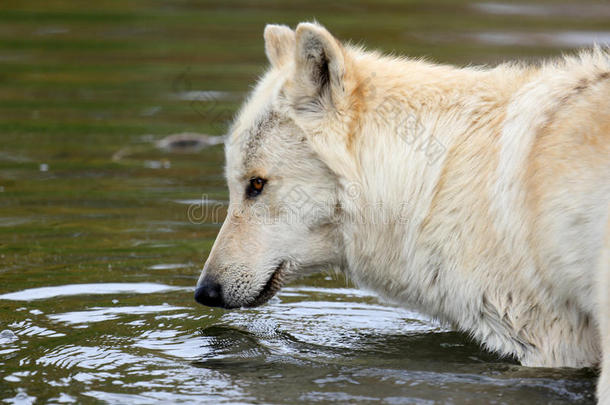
282	219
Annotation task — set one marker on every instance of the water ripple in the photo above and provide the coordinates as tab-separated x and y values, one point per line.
88	289
109	313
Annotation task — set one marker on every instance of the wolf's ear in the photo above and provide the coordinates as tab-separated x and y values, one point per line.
320	64
279	44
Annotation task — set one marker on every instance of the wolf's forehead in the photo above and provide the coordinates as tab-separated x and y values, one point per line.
257	131
244	150
255	136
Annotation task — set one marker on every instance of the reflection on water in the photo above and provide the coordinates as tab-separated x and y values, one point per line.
79	289
96	314
559	38
564	9
111	124
311	344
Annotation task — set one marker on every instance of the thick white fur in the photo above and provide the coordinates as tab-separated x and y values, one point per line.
505	235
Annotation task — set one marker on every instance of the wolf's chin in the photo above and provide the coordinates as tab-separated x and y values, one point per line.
273	285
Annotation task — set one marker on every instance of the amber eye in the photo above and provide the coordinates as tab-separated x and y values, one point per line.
255	187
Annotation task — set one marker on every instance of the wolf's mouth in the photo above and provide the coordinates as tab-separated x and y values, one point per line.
272	286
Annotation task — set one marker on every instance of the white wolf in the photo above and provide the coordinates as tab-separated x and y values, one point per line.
479	196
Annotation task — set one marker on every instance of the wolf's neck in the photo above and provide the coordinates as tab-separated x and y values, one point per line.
425	157
416	116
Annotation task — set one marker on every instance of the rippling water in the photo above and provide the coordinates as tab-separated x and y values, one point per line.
143	343
98	257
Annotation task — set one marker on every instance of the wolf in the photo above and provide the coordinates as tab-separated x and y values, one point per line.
479	196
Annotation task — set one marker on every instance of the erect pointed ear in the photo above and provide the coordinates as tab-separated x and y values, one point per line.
279	44
320	64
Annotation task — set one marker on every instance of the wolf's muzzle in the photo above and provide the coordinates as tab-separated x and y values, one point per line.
209	293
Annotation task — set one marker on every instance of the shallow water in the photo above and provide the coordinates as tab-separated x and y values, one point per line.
98	256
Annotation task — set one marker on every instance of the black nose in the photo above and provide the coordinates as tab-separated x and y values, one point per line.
209	293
